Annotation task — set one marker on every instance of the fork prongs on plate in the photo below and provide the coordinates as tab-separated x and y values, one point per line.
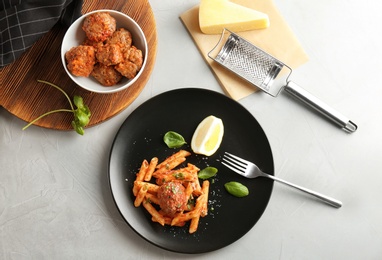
234	163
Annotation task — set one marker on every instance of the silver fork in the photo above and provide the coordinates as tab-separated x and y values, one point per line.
250	170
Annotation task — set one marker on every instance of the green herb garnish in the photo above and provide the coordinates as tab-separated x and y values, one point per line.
179	176
207	173
236	189
81	113
173	139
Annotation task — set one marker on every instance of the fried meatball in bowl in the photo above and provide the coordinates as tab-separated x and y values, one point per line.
81	60
99	26
111	34
106	75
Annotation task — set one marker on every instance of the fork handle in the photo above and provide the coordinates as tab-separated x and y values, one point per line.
333	202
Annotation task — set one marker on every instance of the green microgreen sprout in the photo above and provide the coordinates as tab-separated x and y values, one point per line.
81	113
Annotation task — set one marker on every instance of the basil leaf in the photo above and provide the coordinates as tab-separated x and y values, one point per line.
173	139
207	173
236	189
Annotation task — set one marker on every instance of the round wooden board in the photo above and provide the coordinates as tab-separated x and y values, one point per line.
27	99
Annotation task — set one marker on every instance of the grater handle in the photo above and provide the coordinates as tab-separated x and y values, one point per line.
307	98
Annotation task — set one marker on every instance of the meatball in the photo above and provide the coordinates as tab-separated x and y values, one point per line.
133	60
121	37
135	56
109	54
106	75
172	198
99	26
127	69
96	45
80	60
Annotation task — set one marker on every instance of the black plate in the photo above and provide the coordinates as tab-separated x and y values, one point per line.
141	137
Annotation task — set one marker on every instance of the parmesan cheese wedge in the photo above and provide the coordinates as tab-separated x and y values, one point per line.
215	15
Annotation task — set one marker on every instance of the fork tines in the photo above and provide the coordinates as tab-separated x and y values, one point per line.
234	163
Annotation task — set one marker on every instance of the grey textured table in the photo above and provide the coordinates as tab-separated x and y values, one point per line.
55	202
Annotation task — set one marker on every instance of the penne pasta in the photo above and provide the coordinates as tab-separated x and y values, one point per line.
151	169
174	160
151	198
152	188
148	183
140	196
204	202
142	171
154	213
194	224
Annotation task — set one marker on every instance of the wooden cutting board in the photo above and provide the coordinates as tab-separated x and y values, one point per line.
24	97
278	40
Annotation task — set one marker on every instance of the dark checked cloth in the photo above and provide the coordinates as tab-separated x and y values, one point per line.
23	22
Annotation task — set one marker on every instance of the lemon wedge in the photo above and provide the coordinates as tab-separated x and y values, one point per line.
208	136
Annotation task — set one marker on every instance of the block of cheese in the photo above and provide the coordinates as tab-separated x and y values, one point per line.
215	15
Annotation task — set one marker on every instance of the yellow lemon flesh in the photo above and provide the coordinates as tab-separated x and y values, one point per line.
208	136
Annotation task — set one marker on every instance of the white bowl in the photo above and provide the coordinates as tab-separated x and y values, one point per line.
75	36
